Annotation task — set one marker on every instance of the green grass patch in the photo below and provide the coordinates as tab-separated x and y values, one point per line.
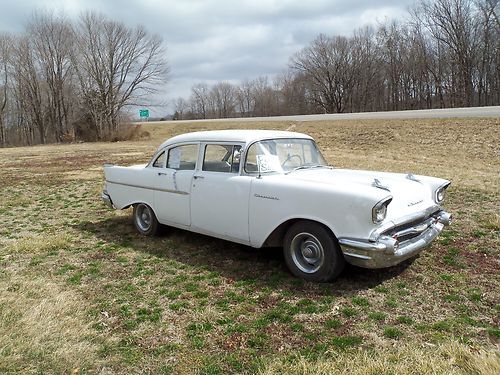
451	298
381	289
344	342
442	326
333	323
446	277
391	302
452	258
404	320
177	306
349	311
475	295
360	301
377	316
76	278
393	333
494	332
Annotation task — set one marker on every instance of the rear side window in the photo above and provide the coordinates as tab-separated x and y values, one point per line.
222	158
183	157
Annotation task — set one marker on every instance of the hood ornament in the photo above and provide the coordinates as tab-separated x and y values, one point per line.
411	176
376	183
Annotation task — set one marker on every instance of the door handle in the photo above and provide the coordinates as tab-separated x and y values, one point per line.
197	177
161	174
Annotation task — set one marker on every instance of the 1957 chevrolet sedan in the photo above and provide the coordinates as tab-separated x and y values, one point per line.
274	188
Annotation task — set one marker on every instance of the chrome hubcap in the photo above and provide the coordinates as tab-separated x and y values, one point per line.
307	252
143	217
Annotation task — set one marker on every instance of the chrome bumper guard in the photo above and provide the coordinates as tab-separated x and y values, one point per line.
106	199
387	251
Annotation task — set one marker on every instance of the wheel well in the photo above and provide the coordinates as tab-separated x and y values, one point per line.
275	239
147	204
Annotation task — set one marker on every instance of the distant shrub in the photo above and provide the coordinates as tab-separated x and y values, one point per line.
85	129
129	132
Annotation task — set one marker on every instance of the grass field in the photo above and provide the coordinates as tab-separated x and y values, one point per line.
82	292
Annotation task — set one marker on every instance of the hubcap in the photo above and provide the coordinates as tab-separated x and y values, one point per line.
143	217
307	252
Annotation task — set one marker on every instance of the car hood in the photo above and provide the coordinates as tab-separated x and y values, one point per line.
408	195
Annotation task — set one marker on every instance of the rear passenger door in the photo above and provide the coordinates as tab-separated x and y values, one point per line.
173	188
219	194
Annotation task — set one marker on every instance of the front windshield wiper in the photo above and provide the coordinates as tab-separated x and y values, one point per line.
308	167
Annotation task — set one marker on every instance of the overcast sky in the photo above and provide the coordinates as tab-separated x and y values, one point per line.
215	40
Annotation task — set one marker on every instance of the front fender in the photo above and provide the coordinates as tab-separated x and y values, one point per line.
345	211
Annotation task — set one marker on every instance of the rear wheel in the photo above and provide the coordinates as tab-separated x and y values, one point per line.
312	253
145	220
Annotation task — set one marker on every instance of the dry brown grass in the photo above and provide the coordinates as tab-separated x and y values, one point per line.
43	327
450	358
80	289
39	244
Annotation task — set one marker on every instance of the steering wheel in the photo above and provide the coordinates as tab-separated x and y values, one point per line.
290	157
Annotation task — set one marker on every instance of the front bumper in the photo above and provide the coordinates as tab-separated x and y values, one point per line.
396	244
106	199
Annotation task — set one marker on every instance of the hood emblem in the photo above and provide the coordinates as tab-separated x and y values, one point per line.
411	176
376	183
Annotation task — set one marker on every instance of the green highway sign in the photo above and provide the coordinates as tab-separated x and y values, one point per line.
144	113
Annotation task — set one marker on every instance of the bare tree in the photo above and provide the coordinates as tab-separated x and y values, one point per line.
454	23
224	98
487	71
5	56
116	66
181	106
199	99
245	98
329	66
262	96
294	93
367	85
53	42
29	95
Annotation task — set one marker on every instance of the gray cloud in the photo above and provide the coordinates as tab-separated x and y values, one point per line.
223	40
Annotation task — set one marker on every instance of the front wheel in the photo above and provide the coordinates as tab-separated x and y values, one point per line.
312	253
145	220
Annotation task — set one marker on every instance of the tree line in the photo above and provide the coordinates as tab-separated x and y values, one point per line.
445	53
64	80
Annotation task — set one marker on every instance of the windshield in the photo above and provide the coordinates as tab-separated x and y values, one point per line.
283	155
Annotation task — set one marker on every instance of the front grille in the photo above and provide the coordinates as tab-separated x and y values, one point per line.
407	231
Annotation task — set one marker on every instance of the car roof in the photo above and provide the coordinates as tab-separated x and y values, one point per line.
240	136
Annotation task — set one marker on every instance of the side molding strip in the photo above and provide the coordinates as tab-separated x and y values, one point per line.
149	188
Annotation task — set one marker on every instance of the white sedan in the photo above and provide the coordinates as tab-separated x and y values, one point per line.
273	188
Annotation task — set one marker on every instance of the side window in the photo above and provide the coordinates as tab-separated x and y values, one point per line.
183	157
160	161
222	158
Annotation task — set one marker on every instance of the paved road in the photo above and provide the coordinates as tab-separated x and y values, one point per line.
423	113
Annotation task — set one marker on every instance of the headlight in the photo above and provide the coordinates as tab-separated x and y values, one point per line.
379	211
441	193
